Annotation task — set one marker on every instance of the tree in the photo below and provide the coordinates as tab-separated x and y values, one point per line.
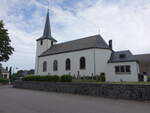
5	48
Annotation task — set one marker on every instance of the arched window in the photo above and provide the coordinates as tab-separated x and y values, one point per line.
55	65
68	64
82	63
52	43
41	42
44	66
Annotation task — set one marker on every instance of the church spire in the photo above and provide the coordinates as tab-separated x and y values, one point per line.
47	28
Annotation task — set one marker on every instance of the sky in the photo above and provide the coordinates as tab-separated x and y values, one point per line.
126	22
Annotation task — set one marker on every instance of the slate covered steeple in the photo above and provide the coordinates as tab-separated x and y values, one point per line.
47	30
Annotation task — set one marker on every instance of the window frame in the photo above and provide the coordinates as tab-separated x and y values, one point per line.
128	67
68	64
52	43
41	42
122	69
44	66
117	69
55	65
82	63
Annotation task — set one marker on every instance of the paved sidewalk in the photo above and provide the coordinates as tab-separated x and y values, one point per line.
27	101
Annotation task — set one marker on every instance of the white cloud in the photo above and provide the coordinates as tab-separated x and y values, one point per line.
126	22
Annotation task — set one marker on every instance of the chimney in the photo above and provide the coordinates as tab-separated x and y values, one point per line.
110	44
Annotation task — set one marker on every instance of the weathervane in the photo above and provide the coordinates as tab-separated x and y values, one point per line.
98	30
49	5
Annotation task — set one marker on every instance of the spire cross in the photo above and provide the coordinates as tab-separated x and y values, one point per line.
98	30
49	5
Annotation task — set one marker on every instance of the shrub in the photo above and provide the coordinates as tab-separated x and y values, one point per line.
66	78
54	78
95	77
87	77
102	78
4	81
148	78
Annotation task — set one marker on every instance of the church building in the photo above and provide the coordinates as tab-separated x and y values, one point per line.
87	56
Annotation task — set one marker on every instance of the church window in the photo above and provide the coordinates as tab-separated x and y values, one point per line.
55	65
41	42
117	69
44	66
128	68
123	69
51	43
68	64
82	63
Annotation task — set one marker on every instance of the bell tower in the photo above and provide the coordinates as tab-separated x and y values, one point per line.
44	42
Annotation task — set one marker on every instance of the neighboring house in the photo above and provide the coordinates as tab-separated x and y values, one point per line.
87	56
4	73
31	72
144	60
22	73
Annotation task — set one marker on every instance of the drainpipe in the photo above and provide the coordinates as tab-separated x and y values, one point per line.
94	63
37	65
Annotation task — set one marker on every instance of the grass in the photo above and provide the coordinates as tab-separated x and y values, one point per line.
99	82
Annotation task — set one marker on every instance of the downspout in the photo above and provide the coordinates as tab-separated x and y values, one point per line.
94	63
138	69
37	65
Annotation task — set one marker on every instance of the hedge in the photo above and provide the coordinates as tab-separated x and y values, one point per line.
54	78
66	78
148	78
3	80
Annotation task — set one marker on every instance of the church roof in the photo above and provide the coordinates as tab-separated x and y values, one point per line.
47	30
95	41
122	56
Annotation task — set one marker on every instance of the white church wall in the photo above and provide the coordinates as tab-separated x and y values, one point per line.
41	48
101	60
111	75
75	63
46	43
101	65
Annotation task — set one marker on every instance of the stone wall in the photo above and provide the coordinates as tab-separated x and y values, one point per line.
120	91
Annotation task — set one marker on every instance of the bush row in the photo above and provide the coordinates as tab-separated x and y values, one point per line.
3	80
148	78
54	78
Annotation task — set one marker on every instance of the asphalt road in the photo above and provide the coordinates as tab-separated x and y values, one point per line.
27	101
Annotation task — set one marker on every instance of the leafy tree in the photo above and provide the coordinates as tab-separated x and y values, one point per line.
5	48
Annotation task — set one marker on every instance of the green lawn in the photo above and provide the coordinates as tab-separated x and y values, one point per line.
99	82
